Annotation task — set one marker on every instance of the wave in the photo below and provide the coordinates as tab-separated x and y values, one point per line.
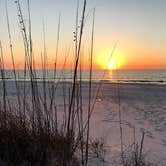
123	76
131	81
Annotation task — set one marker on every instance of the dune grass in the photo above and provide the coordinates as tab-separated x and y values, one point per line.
30	132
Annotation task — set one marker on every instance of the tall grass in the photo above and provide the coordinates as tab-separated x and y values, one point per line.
37	138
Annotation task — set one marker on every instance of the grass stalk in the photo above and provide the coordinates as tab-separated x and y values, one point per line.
76	68
55	63
13	63
2	68
90	90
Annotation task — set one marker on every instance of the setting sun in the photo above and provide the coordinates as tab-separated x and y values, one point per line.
112	65
104	61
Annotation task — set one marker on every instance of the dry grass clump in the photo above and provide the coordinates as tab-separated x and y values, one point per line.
19	144
134	160
98	148
136	156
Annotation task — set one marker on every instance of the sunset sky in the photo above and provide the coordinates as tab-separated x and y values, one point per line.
138	26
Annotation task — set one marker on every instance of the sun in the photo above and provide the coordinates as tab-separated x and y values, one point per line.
104	61
112	65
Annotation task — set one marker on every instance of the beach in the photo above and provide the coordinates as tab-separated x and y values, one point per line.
77	89
142	108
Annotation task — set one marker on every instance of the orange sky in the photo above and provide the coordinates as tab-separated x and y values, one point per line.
140	35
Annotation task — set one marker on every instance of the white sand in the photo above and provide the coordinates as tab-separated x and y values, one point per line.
141	105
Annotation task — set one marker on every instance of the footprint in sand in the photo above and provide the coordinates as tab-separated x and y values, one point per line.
141	122
147	133
160	128
163	142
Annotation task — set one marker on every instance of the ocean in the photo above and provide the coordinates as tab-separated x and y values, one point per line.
122	76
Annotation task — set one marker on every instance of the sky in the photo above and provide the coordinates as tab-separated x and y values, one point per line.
137	26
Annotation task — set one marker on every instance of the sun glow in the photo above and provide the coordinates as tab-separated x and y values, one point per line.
112	65
104	60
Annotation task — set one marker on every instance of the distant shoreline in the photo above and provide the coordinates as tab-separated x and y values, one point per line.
130	82
104	76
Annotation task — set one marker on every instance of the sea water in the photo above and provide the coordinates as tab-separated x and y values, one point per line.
122	76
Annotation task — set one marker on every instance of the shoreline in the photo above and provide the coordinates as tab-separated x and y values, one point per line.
124	82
